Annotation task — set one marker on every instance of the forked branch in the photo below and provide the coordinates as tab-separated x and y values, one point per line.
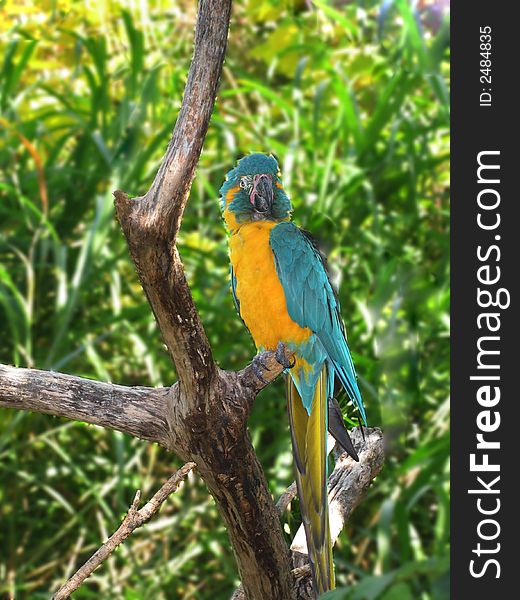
151	222
203	417
348	484
208	410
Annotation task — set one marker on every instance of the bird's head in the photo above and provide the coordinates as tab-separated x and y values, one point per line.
253	192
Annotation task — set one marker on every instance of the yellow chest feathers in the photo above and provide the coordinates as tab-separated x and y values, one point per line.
259	291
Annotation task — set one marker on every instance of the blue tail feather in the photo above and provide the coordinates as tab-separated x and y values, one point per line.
352	389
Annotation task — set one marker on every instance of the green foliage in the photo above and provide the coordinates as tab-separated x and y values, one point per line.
352	98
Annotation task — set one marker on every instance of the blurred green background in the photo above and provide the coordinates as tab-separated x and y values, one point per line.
352	97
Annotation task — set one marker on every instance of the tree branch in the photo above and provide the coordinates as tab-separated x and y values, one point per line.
134	519
348	484
161	209
203	417
216	440
137	411
270	370
286	498
151	222
208	410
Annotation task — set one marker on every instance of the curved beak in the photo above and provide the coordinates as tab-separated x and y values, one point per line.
262	194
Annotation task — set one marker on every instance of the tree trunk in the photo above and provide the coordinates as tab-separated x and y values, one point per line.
203	417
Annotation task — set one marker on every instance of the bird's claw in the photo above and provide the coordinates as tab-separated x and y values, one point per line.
281	358
259	367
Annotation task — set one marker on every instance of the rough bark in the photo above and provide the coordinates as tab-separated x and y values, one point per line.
151	222
232	471
350	480
348	484
137	411
208	410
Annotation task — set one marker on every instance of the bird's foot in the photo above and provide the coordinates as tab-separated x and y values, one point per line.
259	366
280	355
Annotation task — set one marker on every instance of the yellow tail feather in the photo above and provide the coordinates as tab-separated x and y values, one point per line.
309	440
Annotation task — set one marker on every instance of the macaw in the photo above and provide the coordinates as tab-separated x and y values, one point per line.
283	294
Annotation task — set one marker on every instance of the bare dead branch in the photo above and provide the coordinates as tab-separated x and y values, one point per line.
271	370
203	418
286	498
208	410
137	411
151	222
134	519
348	484
303	582
163	205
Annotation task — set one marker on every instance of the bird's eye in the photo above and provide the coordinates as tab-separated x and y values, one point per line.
243	183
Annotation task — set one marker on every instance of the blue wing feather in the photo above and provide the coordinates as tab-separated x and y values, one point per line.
233	278
311	301
236	301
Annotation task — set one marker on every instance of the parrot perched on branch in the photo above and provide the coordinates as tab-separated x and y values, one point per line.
283	294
